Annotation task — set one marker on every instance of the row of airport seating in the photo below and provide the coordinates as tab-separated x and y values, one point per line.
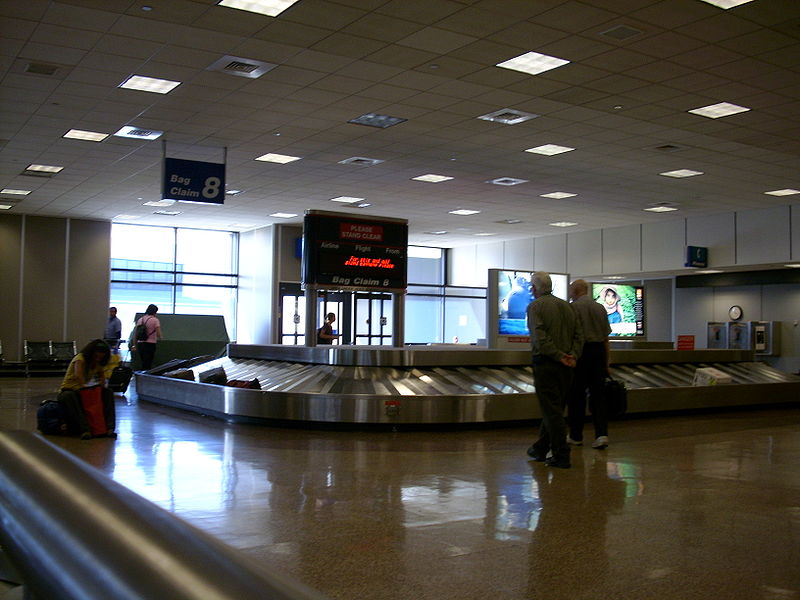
47	357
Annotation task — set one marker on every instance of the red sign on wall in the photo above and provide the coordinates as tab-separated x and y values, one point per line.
685	342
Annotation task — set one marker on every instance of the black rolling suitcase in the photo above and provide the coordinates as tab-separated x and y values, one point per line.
120	378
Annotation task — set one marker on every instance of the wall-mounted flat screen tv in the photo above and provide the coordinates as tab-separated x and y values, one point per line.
624	304
511	293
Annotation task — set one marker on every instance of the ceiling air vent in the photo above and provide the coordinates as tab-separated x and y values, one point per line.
508	116
376	120
241	67
668	148
621	32
361	161
41	69
507	181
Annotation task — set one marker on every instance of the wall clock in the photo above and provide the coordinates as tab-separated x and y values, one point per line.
735	312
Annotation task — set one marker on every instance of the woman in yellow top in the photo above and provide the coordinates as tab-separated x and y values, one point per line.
87	369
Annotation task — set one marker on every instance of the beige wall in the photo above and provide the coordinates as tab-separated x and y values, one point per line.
55	276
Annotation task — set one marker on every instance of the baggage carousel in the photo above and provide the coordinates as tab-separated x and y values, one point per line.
440	385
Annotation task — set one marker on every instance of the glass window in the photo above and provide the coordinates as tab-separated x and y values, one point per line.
182	271
425	265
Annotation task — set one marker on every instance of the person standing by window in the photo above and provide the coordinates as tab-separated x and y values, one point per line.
146	334
113	331
325	333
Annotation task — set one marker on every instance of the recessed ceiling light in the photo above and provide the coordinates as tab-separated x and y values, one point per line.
5	206
715	111
431	178
550	149
281	215
508	116
706	272
484	233
232	192
463	212
784	192
159	203
507	181
532	63
15	192
376	120
91	136
442	232
563	224
169	213
681	173
614	277
558	195
363	205
124	217
44	168
726	4
277	158
139	133
793	266
149	84
271	8
347	199
658	208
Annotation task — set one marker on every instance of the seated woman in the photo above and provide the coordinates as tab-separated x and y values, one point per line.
86	370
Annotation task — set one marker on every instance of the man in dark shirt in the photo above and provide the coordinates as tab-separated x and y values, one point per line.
113	331
556	342
591	369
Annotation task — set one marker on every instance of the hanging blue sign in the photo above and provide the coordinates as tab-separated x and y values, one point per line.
193	181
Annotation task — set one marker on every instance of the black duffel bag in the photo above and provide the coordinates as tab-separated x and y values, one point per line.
616	397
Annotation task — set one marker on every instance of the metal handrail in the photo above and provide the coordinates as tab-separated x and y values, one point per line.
72	533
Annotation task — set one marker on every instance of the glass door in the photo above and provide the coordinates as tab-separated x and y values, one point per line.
372	315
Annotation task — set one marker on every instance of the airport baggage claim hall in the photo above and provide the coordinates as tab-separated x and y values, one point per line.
406	165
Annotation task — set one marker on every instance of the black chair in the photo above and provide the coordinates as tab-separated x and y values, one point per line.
61	353
37	356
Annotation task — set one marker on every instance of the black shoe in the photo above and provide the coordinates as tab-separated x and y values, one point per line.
559	463
536	455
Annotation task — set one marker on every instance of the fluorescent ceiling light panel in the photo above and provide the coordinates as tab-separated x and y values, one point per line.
149	84
508	116
124	217
281	215
170	213
139	133
232	192
159	203
431	178
463	212
271	8
277	158
614	277
660	209
5	206
726	4
715	111
563	224
363	205
558	195
484	234
90	136
347	199
681	173
784	192
793	266
442	232
550	149
15	192
533	63
707	272
44	168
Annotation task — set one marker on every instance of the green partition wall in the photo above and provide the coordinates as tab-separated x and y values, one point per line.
187	336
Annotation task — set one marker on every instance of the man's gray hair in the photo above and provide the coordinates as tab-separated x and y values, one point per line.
542	282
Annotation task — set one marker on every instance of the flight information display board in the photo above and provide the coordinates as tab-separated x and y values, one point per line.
343	251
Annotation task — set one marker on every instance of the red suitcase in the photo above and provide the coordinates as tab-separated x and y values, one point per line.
92	403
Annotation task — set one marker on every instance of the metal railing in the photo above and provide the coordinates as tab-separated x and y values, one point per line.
73	533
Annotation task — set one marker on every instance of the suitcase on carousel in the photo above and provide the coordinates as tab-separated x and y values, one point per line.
120	378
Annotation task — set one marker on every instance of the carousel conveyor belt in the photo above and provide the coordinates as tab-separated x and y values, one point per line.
396	394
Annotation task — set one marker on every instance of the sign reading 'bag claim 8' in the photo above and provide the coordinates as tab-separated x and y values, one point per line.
193	181
343	251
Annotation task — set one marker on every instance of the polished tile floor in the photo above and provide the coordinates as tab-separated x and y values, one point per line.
678	507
